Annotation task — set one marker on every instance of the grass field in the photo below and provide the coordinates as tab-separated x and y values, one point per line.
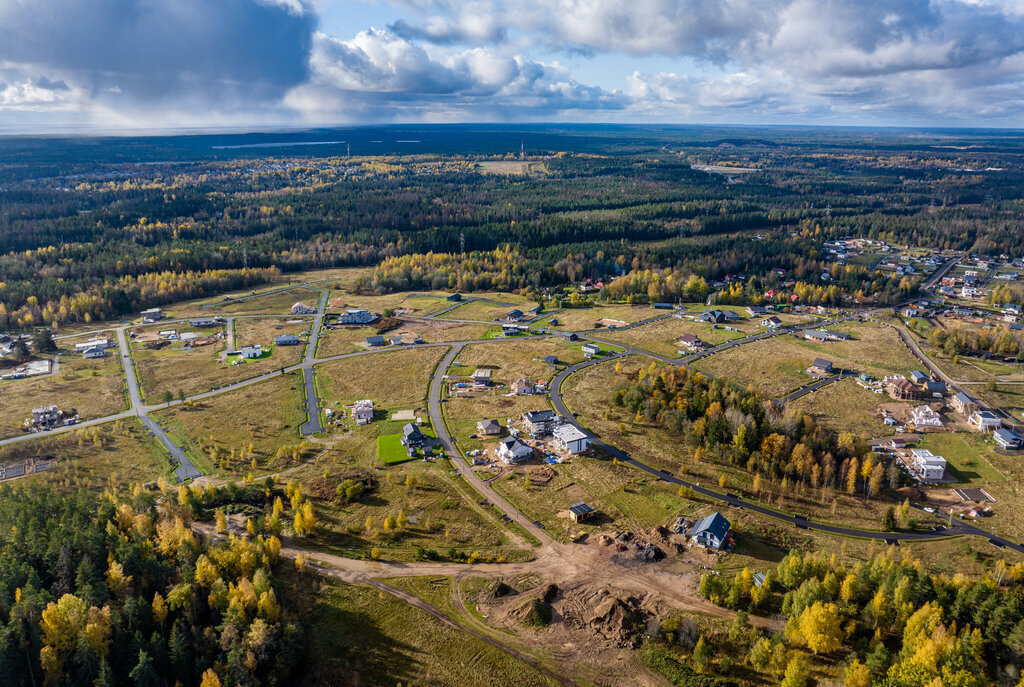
967	455
125	455
480	311
265	415
390	449
520	357
778	365
387	642
393	379
344	340
93	388
262	330
845	407
576	319
422	303
273	303
661	337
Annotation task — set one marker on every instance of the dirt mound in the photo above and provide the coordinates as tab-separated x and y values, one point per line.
499	590
386	324
550	593
157	345
646	548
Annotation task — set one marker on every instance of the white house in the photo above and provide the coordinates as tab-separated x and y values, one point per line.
94	353
301	308
570	439
362	411
511	450
590	350
254	351
926	466
984	420
92	343
771	322
523	387
1007	439
923	416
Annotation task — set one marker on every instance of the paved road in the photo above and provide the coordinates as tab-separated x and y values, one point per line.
736	502
437	420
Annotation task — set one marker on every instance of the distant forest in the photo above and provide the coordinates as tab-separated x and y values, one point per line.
92	228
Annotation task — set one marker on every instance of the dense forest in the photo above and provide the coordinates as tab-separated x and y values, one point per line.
111	591
887	620
88	226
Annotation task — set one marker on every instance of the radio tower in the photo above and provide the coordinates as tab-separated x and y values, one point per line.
522	150
462	242
348	150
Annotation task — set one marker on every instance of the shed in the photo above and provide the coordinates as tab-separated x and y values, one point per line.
580	511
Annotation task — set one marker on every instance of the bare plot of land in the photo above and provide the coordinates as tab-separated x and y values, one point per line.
479	311
393	379
846	407
435	330
522	357
91	387
575	319
265	416
662	337
777	365
279	302
344	340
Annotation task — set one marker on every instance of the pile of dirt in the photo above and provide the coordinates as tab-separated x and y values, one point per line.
614	618
499	590
157	345
386	324
643	548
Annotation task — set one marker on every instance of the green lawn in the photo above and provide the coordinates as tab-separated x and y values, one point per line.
966	455
390	449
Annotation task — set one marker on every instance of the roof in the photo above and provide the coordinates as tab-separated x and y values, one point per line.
539	415
550	359
513	444
580	508
410	430
515	312
815	334
568	433
715	524
822	364
591	347
488	424
986	415
962	398
375	340
482	372
1006	435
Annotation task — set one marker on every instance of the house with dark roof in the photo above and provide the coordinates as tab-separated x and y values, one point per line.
411	435
580	511
821	366
286	340
902	389
488	427
711	532
514	315
771	322
815	335
963	403
454	298
918	377
1007	439
540	422
376	341
511	450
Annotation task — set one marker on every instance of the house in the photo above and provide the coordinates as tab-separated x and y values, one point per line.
550	359
926	466
1007	439
152	315
918	377
539	422
962	403
662	306
759	579
837	336
46	415
691	343
514	315
523	387
94	353
454	298
482	376
301	308
249	352
411	435
984	420
395	341
711	532
92	343
590	350
897	444
580	511
376	341
1013	309
932	387
204	321
362	411
536	310
756	310
821	366
511	450
488	427
771	322
718	316
902	389
355	316
286	340
570	439
778	272
570	336
508	329
969	292
815	335
924	416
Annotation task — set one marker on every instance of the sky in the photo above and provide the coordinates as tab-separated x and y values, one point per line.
169	64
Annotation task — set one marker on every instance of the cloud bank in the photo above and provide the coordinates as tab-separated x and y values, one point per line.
829	61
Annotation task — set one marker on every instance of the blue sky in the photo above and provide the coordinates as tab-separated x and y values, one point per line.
109	64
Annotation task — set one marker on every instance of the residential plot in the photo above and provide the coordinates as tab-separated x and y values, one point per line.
392	379
279	302
92	388
662	337
521	357
417	303
116	454
777	365
598	317
339	340
480	311
967	455
220	430
846	407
